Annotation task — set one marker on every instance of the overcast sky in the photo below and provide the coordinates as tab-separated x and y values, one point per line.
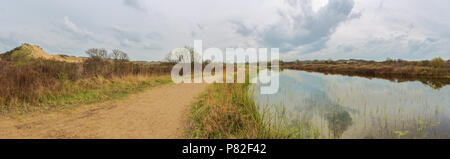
302	29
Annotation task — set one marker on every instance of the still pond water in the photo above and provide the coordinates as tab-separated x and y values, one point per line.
338	106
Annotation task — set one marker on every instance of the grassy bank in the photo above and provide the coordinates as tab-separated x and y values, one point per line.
227	111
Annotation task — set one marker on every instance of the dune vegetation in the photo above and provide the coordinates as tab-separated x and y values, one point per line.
435	68
26	52
36	81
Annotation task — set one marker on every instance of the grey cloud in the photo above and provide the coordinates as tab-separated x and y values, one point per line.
200	26
128	38
381	5
345	48
134	4
197	30
399	46
300	25
242	29
314	46
76	32
153	36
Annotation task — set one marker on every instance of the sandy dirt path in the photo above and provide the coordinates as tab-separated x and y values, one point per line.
159	112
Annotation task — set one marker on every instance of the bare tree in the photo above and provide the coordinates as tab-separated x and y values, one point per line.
168	58
98	54
123	56
119	55
173	58
194	57
115	54
183	55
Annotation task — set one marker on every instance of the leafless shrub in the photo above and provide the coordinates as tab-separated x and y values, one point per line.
98	54
119	55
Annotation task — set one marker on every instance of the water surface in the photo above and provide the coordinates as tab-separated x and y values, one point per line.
340	106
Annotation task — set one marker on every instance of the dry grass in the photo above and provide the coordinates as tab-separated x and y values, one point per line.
224	111
36	84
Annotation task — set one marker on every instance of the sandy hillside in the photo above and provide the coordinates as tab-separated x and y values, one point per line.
34	51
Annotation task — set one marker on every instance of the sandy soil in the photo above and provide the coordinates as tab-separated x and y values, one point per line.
159	112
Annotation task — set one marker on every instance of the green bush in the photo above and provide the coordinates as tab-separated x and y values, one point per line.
437	62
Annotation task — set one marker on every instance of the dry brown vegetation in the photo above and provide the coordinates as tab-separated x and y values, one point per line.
224	111
41	81
435	68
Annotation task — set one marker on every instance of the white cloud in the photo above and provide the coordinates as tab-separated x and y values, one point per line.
307	29
318	4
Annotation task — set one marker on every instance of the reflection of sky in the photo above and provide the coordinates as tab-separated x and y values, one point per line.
375	98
